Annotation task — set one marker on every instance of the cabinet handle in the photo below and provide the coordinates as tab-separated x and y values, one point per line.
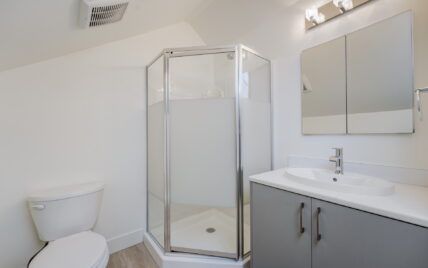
318	224
302	229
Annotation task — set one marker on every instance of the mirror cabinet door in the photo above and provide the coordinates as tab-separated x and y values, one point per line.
380	77
361	83
324	88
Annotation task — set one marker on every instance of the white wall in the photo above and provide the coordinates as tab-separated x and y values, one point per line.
282	38
74	119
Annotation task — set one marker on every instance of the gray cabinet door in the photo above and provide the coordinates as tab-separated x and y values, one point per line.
277	239
354	239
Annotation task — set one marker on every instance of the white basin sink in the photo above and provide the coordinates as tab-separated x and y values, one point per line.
349	182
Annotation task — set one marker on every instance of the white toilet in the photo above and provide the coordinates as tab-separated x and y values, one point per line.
64	217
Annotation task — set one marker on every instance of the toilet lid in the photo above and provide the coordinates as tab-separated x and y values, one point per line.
83	250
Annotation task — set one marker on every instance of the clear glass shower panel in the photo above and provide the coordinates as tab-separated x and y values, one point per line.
255	108
203	158
155	144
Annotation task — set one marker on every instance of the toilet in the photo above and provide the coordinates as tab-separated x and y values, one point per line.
64	217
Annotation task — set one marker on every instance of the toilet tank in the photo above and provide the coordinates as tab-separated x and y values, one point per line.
66	210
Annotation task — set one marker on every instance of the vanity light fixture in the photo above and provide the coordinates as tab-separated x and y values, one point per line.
334	8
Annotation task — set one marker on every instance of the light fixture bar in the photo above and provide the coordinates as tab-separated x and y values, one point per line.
317	15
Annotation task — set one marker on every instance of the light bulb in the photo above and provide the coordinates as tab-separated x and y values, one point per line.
314	16
344	5
311	13
321	18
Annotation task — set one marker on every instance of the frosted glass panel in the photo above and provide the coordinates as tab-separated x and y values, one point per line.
155	161
255	104
203	154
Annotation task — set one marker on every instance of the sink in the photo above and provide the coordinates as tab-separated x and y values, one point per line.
349	182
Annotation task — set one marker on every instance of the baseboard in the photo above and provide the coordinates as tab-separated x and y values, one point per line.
125	240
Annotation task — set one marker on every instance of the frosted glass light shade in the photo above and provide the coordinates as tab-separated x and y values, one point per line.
344	5
314	16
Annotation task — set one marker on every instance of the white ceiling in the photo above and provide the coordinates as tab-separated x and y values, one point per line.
35	30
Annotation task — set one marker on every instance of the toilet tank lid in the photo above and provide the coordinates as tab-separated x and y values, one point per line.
66	192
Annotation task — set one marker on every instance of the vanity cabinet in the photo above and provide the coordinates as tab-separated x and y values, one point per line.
334	237
280	228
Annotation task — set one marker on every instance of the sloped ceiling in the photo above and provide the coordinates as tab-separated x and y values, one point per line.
226	21
35	30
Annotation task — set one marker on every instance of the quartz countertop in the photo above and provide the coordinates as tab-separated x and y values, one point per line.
409	203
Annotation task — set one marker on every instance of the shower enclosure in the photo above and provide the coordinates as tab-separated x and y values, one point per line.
209	129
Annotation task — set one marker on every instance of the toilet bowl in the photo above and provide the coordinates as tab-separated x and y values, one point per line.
85	250
64	217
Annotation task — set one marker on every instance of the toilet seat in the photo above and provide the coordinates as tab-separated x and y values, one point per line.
84	250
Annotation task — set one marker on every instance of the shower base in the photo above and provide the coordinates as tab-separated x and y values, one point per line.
211	230
181	260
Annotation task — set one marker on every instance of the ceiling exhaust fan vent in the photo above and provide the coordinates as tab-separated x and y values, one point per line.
99	12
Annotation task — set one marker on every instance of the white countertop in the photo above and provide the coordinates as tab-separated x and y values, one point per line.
409	203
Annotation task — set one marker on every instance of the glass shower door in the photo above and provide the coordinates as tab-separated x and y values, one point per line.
156	150
203	158
255	110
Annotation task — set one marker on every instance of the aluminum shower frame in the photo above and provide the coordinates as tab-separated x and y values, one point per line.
192	51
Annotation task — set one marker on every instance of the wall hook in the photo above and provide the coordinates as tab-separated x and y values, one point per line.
419	102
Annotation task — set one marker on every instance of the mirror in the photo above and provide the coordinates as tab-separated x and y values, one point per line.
380	77
361	83
324	88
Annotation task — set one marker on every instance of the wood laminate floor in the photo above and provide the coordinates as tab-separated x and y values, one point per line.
134	257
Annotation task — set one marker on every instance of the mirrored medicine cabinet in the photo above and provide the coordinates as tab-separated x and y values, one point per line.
361	83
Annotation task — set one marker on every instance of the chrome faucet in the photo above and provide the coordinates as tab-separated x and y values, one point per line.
338	160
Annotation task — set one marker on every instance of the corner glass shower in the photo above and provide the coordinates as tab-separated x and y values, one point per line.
209	129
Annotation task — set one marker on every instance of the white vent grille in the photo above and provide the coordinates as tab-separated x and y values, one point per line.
99	12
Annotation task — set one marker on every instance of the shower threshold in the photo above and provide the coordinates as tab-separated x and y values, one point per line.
209	231
184	260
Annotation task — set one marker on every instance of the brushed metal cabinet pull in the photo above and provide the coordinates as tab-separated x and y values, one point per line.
302	229
318	224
